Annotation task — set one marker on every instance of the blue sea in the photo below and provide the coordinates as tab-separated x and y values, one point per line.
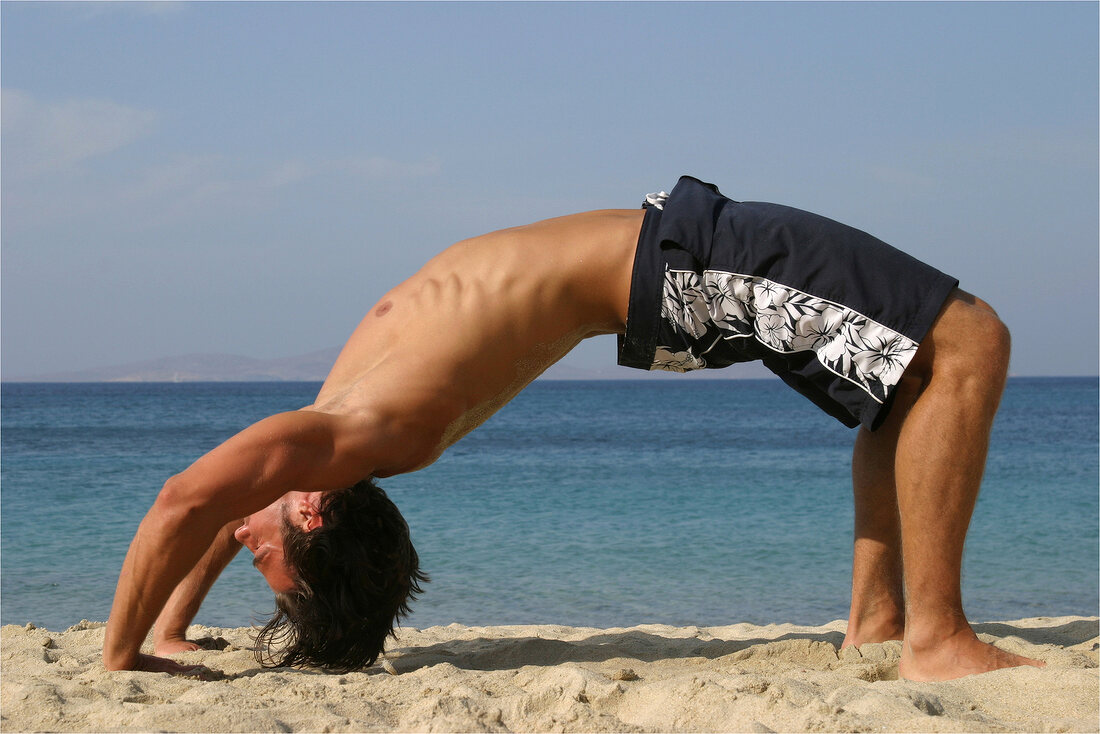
605	503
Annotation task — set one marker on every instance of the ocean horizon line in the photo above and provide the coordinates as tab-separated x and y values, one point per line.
702	377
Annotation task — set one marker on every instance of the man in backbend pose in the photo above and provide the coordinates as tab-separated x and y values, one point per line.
872	336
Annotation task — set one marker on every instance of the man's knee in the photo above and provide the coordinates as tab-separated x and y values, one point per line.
998	341
988	338
972	344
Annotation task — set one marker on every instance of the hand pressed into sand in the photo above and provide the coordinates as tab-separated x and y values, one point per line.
153	664
175	645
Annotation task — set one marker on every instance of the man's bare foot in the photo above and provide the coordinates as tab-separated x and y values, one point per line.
956	656
862	632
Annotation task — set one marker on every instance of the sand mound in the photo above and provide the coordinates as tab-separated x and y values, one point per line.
548	678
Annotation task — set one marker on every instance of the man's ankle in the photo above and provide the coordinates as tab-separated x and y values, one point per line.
928	633
883	625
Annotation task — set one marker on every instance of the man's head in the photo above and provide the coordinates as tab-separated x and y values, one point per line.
263	533
353	571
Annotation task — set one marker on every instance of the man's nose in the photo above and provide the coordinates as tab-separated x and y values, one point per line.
241	534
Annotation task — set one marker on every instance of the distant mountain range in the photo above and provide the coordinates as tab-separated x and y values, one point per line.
314	366
202	368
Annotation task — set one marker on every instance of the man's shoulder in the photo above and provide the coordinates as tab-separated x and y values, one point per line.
399	433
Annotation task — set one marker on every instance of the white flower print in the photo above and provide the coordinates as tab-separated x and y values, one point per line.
665	359
774	330
766	294
672	305
817	330
728	297
833	350
684	303
885	353
731	305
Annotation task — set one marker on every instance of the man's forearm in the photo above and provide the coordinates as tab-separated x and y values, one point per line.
189	594
169	542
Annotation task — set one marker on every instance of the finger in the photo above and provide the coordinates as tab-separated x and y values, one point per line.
201	672
171	648
212	643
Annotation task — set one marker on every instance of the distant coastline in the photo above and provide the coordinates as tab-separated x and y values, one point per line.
308	367
315	366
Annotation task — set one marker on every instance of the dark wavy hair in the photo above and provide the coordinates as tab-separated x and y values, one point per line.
355	576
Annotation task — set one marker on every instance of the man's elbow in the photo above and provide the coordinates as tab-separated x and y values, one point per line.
180	502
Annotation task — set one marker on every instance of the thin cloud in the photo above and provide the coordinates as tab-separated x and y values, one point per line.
377	168
42	137
138	8
1056	147
51	152
192	187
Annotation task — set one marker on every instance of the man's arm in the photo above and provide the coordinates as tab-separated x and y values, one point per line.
303	450
170	629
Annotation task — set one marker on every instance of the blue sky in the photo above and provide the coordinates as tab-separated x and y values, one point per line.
250	178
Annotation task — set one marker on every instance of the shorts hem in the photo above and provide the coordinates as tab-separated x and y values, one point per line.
638	343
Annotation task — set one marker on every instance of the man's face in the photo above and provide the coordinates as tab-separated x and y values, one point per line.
262	533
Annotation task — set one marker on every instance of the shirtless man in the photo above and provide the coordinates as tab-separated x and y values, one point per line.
691	280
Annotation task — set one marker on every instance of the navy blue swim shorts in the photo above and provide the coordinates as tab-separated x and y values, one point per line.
836	313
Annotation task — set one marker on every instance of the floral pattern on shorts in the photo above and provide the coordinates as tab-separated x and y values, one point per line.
785	320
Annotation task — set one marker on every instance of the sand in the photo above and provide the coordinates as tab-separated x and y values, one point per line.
548	678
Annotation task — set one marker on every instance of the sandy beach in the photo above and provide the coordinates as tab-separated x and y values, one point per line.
548	678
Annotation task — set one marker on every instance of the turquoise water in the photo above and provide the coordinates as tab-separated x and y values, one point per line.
581	503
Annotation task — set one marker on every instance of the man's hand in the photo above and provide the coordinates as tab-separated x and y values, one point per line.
172	647
153	664
178	645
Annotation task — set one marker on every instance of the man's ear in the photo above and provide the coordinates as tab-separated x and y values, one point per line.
307	514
